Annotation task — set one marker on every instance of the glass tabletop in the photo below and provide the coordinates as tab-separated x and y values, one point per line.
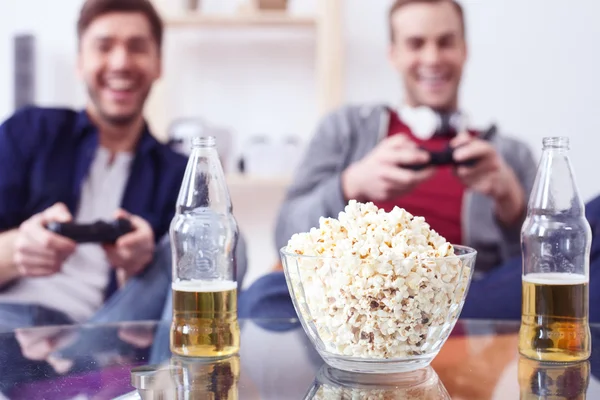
276	361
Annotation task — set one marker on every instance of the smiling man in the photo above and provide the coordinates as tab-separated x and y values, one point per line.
95	164
379	153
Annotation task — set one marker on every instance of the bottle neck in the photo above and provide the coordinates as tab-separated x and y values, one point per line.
204	184
204	142
555	190
556	143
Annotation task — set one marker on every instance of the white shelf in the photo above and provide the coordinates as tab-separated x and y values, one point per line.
262	19
327	23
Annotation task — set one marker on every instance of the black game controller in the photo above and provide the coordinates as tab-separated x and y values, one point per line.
97	232
444	157
441	158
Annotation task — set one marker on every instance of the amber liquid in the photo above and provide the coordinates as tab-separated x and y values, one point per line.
205	320
554	320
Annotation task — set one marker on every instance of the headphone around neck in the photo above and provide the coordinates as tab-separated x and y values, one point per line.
426	123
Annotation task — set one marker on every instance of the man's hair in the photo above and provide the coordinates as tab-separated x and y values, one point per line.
398	4
93	9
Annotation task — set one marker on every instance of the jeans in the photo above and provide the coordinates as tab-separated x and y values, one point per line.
144	297
124	305
14	316
152	287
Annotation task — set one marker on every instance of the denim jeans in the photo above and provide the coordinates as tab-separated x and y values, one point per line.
144	297
14	316
124	305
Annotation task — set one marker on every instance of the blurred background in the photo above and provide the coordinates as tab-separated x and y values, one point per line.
264	81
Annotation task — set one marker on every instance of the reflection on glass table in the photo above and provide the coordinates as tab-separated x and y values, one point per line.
187	378
332	383
276	361
201	379
551	380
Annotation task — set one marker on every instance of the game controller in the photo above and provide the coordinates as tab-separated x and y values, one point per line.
97	232
441	158
445	157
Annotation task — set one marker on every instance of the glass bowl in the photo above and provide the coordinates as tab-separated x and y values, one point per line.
378	317
331	383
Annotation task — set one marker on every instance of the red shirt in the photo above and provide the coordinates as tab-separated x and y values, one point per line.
439	199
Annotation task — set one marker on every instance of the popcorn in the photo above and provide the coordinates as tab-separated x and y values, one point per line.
376	284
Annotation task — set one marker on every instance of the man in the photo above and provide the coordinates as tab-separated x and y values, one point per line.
59	165
368	153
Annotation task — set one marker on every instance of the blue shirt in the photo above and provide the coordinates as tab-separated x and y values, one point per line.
45	155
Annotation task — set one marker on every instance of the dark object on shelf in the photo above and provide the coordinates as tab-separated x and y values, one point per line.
270	5
24	67
192	5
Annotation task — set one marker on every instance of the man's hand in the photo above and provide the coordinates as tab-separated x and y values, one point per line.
490	176
39	252
133	251
379	177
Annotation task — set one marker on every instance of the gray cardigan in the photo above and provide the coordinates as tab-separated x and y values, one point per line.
346	136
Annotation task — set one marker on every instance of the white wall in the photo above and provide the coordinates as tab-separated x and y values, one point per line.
54	28
533	69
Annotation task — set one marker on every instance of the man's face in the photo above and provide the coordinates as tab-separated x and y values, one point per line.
429	50
118	60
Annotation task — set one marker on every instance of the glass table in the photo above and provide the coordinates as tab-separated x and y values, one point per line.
276	361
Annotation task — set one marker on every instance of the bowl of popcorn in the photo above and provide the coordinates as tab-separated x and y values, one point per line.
377	292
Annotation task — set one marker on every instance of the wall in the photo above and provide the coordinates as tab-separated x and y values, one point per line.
54	28
536	73
532	68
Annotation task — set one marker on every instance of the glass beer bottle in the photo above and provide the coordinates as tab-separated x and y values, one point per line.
203	237
555	242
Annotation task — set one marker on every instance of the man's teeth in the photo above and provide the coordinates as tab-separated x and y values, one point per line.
120	84
438	78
